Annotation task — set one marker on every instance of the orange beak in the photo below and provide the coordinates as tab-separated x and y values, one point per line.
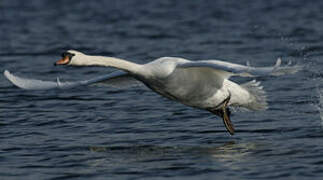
65	60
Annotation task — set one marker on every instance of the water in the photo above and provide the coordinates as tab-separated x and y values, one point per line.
108	133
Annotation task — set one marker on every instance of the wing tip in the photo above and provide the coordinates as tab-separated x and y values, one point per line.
286	69
9	76
6	73
13	79
278	62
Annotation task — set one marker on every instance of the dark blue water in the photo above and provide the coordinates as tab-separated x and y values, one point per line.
107	133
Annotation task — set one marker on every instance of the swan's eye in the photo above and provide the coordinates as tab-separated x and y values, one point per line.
68	54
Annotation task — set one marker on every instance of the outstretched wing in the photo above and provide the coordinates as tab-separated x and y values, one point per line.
114	78
226	69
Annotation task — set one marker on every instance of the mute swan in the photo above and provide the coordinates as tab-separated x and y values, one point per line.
200	84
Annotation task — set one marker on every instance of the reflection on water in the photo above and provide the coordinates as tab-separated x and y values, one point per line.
230	155
320	105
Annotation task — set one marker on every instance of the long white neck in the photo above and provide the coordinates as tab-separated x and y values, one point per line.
109	62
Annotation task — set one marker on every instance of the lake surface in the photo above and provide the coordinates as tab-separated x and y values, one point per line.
100	132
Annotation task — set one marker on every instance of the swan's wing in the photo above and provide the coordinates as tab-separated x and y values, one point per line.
119	79
226	69
34	84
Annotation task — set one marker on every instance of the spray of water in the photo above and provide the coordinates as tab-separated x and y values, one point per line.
320	104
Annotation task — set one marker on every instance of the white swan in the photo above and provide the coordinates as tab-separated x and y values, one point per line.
200	84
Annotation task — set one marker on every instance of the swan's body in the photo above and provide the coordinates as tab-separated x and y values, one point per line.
197	87
199	84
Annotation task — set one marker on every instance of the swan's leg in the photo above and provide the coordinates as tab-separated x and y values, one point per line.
224	113
226	116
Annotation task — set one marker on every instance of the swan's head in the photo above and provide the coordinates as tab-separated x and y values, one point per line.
71	57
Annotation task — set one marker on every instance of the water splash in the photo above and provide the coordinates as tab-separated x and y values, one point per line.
320	104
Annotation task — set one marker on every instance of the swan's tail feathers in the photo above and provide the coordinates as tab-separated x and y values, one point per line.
259	98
